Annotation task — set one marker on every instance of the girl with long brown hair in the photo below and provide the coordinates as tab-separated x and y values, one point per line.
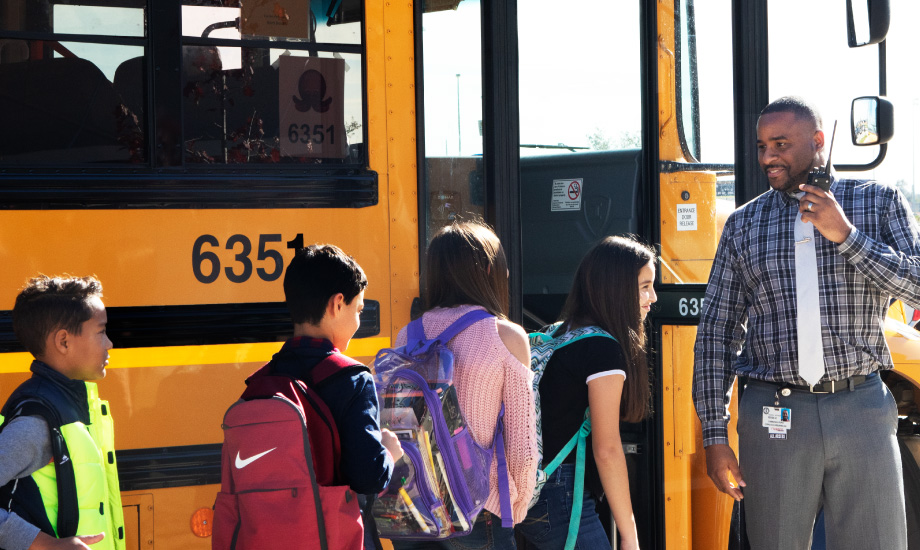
467	270
612	291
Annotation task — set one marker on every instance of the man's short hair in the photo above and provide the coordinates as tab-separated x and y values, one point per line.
47	304
798	106
317	273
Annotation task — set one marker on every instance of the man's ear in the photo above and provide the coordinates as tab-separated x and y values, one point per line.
819	140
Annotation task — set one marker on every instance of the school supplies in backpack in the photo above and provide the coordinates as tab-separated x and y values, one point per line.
542	347
440	485
280	447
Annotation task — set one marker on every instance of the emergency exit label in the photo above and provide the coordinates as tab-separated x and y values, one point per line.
686	217
567	194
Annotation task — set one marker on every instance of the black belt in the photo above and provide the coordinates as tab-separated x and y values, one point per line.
831	386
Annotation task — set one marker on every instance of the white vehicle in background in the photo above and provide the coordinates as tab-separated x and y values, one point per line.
911	315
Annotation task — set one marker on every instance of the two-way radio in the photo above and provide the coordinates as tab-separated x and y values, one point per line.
822	178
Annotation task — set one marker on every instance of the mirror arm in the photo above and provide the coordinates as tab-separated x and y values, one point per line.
882	151
883	68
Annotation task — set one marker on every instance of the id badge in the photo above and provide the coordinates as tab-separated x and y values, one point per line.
777	417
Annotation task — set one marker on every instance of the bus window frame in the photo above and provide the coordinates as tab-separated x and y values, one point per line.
173	183
687	22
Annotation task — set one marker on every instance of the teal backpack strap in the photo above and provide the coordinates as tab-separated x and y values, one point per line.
579	442
578	494
580	435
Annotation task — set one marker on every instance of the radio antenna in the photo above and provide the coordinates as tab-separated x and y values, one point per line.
830	150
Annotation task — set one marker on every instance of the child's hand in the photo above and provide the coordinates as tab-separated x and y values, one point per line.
391	442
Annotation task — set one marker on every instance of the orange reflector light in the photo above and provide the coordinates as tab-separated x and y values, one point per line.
203	522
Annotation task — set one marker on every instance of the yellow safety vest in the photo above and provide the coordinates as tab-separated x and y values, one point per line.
92	450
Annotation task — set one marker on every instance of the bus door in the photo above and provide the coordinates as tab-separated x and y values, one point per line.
695	193
575	151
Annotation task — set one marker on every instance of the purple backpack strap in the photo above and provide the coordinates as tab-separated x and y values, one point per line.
504	491
415	332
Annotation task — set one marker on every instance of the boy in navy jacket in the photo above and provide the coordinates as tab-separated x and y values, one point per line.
324	291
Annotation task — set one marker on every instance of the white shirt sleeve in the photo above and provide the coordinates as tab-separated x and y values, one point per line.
606	373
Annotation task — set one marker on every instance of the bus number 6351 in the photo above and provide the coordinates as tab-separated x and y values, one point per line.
241	271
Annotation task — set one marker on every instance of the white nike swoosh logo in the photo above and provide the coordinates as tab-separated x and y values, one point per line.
240	463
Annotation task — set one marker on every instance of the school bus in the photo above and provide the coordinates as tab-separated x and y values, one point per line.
181	149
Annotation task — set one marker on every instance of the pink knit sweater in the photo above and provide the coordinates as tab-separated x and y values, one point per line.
486	375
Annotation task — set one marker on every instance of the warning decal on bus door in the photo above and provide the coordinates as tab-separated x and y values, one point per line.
566	194
311	97
686	217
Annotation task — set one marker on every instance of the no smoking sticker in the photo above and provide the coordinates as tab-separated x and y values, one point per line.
567	194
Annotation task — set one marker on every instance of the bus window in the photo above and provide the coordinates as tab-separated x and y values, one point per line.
581	139
67	100
453	112
697	184
296	101
579	94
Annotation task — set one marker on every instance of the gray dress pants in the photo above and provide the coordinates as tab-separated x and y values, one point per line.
841	453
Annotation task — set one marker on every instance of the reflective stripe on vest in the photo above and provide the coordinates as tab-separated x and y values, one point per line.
92	450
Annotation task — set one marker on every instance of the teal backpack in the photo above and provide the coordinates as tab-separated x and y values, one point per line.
542	346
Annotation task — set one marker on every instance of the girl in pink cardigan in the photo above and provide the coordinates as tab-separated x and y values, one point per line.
466	270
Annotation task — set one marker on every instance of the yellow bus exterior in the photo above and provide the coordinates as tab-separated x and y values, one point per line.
170	397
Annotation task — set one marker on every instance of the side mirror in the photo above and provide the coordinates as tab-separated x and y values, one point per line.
871	121
867	21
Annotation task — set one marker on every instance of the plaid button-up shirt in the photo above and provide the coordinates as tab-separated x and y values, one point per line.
748	321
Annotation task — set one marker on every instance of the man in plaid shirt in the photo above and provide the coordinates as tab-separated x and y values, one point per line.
802	447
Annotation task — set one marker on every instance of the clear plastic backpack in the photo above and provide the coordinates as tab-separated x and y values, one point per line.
441	483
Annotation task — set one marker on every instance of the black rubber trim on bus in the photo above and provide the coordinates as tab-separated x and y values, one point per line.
125	188
164	467
197	325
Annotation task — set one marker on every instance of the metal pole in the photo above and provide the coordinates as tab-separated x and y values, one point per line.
913	146
459	141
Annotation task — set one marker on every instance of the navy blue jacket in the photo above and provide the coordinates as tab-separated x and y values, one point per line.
366	466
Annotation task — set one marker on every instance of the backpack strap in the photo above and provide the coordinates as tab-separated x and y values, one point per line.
579	441
580	435
581	333
334	363
504	490
415	332
68	508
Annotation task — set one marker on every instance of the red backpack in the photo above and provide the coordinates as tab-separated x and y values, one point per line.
279	466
